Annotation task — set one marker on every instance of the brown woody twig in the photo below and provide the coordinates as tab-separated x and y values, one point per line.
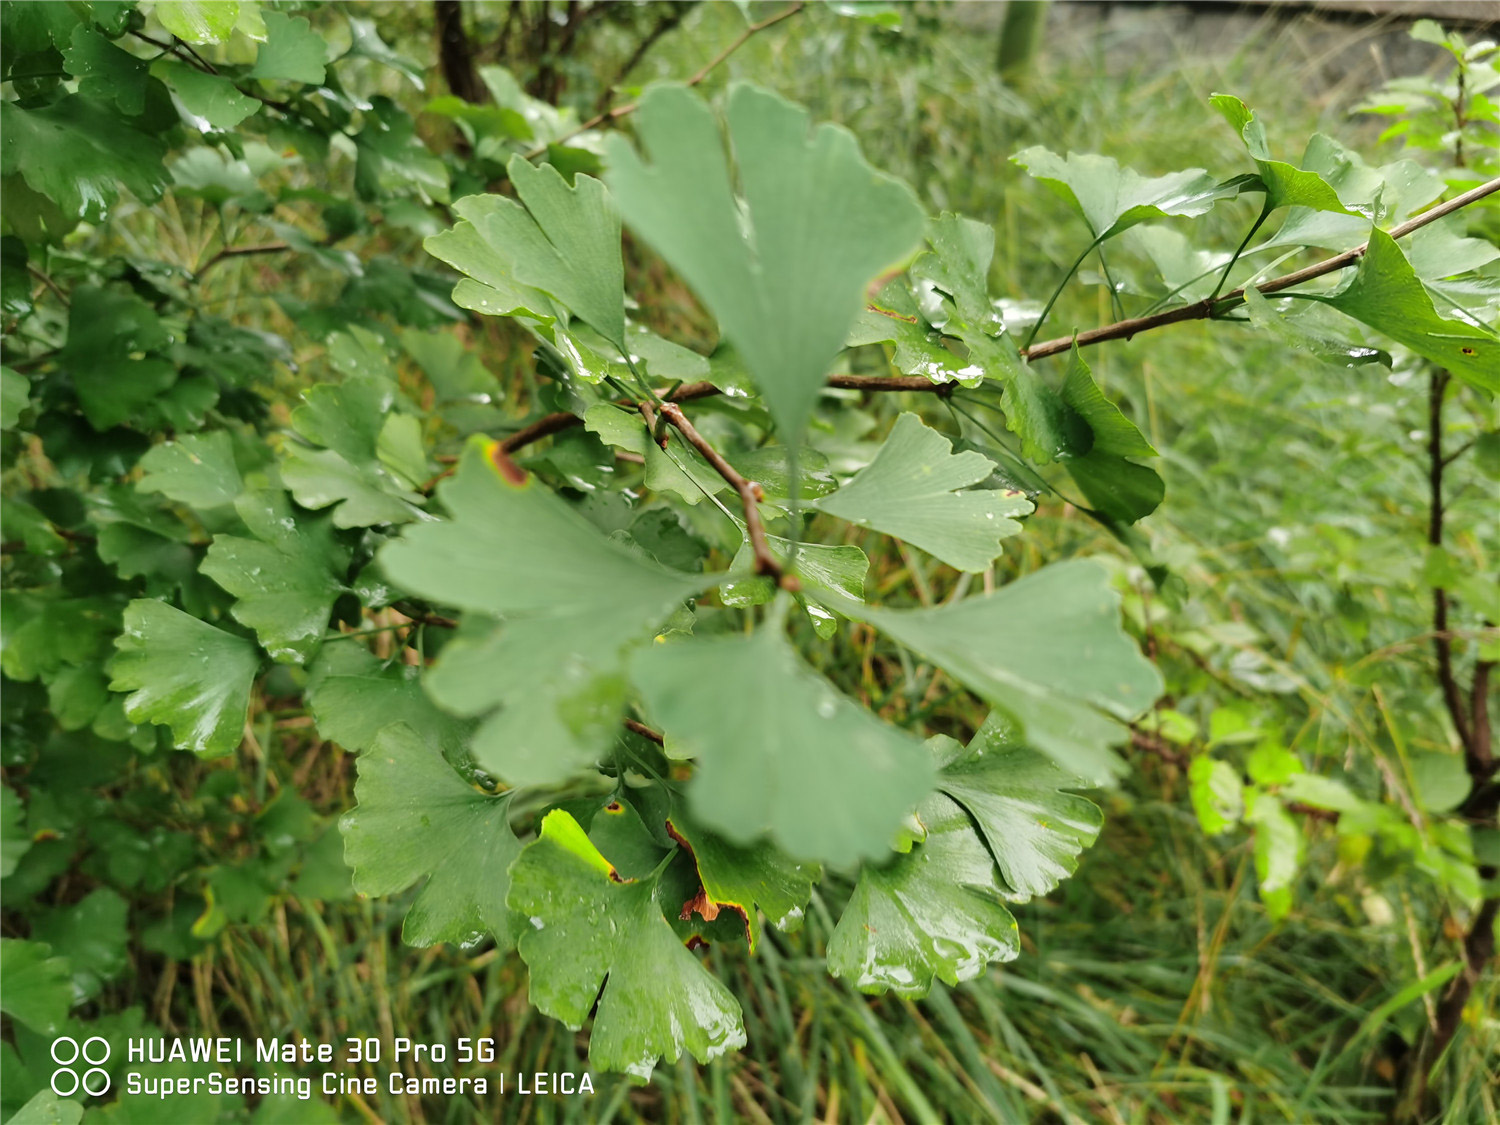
626	110
750	495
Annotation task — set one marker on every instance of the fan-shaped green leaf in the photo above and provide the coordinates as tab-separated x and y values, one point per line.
212	97
286	579
745	880
417	819
1285	184
1386	294
354	701
785	276
1047	650
935	912
1034	829
1112	199
777	747
196	469
105	72
910	491
185	674
198	21
38	986
589	929
571	601
292	52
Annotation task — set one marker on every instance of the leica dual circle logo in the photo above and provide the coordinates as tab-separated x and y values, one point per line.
80	1066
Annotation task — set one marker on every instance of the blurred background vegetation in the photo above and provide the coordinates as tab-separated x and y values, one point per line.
1154	986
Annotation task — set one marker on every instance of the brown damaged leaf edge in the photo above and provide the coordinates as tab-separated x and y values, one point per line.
702	903
509	471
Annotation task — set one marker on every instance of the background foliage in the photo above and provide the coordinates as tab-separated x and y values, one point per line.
233	375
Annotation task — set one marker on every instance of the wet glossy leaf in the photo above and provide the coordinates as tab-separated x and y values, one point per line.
935	912
348	475
1019	801
79	154
1019	649
185	674
292	52
586	930
47	1108
1301	335
198	21
910	490
776	745
105	72
571	602
211	97
564	242
1386	294
1285	184
38	986
1112	199
111	338
417	820
197	469
745	880
285	580
680	471
786	277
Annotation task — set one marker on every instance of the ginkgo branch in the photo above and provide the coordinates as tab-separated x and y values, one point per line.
708	68
751	493
1206	309
1209	307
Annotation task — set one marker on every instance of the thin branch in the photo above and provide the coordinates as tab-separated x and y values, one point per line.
645	732
669	20
1206	309
1442	647
238	252
620	111
750	495
1121	330
46	280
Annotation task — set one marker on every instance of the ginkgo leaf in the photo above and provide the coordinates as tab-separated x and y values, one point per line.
1386	294
566	243
1114	486
1018	801
776	745
936	911
417	819
571	601
959	265
910	490
744	879
285	580
185	674
38	986
1047	650
79	154
1285	184
587	929
211	97
1302	334
198	470
1112	199
292	52
682	471
198	21
562	245
917	347
354	701
349	474
105	72
1386	194
786	274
